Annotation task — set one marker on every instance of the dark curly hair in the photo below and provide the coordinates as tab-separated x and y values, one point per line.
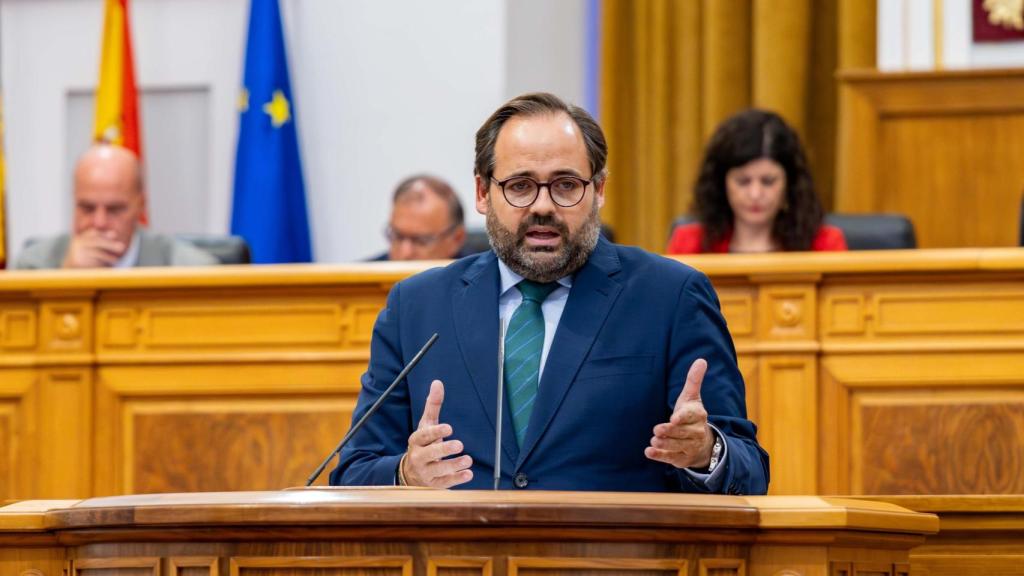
747	136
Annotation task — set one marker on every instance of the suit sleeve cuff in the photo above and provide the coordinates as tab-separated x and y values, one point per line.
713	480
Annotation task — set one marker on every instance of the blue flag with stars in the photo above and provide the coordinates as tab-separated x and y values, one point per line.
269	207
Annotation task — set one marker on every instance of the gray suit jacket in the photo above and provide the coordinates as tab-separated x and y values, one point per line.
154	250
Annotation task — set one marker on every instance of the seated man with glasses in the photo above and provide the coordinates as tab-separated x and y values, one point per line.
426	221
605	367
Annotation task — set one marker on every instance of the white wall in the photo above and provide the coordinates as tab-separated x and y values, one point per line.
383	88
906	38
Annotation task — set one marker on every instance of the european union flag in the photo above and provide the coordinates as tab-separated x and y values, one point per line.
269	208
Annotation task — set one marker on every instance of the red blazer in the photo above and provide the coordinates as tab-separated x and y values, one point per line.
688	239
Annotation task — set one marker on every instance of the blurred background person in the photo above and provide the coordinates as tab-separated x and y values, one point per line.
754	193
427	221
109	199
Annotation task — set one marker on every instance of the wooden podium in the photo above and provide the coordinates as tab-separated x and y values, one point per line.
335	532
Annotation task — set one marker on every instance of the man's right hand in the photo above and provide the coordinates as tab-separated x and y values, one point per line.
424	463
93	249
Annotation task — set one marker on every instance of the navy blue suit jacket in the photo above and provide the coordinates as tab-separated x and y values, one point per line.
632	325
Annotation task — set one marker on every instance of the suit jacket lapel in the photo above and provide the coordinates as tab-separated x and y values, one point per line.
475	305
591	298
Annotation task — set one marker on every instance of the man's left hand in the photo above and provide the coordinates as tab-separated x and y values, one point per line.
686	440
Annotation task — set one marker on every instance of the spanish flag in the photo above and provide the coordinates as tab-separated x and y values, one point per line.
117	99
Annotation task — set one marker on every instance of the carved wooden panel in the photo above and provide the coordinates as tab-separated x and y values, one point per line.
193	566
722	567
321	566
17	414
265	321
261	443
787	312
945	442
749	368
942	148
65	434
459	566
121	566
961	560
18	331
738	307
892	425
788	421
67	326
8	454
537	566
904	313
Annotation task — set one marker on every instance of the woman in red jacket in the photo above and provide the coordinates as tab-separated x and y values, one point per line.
755	193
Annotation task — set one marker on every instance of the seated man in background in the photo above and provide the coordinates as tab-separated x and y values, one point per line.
426	221
109	200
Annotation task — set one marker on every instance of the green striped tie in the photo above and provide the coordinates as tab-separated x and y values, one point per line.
524	341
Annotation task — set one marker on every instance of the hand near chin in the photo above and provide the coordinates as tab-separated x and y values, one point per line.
93	249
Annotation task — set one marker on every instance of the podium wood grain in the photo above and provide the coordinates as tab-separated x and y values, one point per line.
892	372
309	532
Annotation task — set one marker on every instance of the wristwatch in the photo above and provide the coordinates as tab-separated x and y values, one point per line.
716	454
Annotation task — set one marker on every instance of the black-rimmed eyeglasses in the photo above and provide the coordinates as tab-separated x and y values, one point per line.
523	191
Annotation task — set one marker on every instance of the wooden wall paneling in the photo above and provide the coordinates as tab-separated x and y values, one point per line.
915	315
929	424
66	326
272	424
767	560
122	566
833	432
789	421
451	565
18	412
265	323
787	391
739	306
193	566
19	330
941	147
531	566
325	565
33	561
64	446
721	567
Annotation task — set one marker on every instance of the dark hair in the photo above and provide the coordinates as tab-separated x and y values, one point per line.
437	186
747	136
536	104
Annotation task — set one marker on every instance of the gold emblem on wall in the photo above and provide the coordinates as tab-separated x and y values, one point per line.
1008	14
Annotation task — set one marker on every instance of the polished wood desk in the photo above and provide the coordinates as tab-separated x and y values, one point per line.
867	373
978	535
435	532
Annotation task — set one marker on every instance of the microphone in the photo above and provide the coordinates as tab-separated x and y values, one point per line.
387	392
501	394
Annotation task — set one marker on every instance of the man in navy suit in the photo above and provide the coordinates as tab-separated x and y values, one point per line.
619	370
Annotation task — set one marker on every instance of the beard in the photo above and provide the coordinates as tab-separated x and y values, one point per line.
543	263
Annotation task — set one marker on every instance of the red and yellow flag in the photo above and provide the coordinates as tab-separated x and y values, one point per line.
117	98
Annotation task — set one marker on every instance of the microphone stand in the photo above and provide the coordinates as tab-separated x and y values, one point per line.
501	396
387	392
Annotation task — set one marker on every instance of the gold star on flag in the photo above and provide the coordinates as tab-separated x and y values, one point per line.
243	101
278	109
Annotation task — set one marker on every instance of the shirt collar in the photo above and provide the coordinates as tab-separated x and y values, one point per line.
130	258
509	278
